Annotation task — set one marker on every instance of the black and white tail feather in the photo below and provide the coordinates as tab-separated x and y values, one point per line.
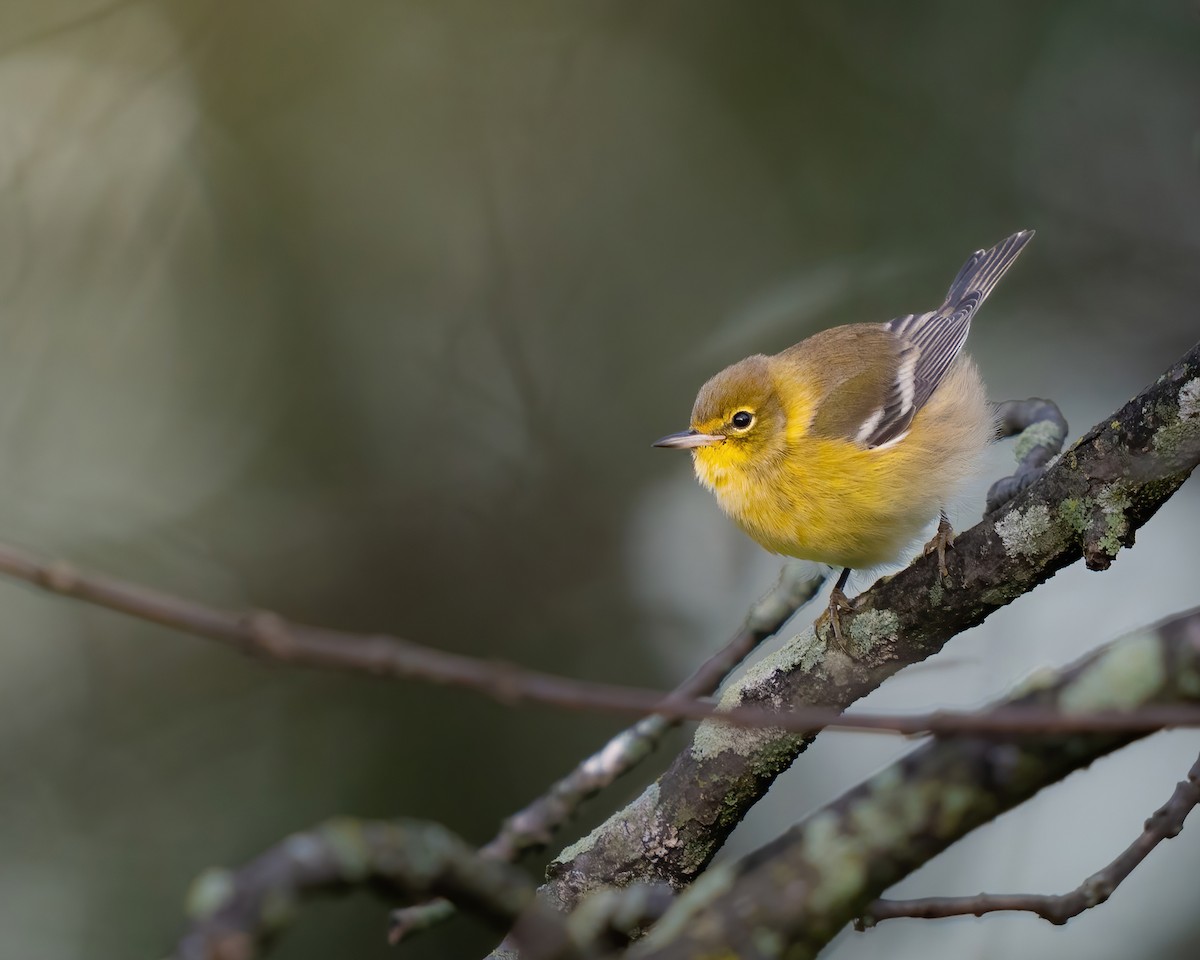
932	341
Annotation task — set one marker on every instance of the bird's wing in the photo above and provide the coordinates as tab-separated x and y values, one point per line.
890	420
937	338
939	335
866	384
875	378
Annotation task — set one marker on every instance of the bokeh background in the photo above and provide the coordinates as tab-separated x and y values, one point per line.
368	312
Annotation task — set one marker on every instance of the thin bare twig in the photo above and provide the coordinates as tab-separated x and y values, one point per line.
535	825
265	634
1166	822
270	635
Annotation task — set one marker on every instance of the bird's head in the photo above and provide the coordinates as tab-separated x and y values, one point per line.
738	422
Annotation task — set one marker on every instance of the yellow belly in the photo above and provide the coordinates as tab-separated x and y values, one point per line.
829	501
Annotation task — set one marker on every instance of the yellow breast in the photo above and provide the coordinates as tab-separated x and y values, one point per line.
826	500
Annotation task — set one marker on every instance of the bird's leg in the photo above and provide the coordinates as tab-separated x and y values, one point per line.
942	541
838	603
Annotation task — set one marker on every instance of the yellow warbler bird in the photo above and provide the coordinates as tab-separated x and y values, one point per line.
841	449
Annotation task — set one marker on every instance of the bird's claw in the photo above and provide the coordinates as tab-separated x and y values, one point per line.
839	603
942	541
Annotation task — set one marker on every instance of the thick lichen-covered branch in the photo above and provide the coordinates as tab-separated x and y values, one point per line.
1087	505
1166	822
236	912
1042	430
789	898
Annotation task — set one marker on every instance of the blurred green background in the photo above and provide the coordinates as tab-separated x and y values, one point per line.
368	312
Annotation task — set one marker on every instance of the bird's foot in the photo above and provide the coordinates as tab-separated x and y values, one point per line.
942	541
839	603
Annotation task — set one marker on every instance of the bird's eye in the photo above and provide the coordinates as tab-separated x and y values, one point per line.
742	419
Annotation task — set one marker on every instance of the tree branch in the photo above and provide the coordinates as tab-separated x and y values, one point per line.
235	913
1088	504
795	893
1166	822
265	634
536	824
380	655
1042	429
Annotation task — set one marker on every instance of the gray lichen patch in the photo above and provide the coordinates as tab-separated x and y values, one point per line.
712	738
1127	675
1040	678
633	818
1021	532
1189	400
803	652
957	801
1187	682
1179	437
893	810
1044	433
841	859
768	942
871	630
875	823
1074	514
345	839
1113	504
209	892
640	834
583	844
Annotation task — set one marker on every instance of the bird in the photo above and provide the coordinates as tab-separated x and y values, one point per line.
842	448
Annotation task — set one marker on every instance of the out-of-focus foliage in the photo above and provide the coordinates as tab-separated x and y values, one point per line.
369	311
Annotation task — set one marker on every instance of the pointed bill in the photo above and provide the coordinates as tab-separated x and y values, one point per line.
688	439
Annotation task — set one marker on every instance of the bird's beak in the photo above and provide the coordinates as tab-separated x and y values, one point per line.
689	439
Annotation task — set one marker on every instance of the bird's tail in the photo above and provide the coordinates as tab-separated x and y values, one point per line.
983	271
